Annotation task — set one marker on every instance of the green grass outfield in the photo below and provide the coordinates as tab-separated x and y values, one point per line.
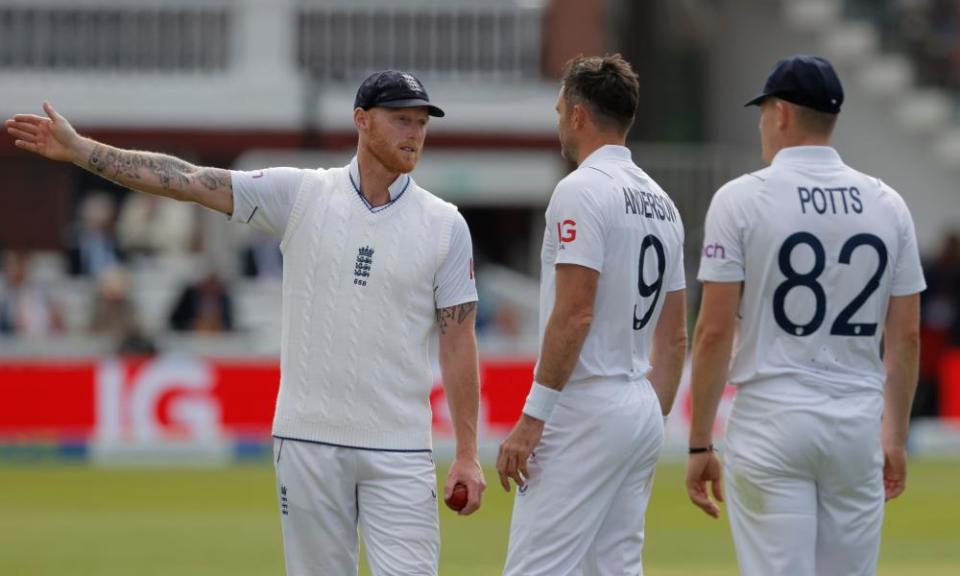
57	520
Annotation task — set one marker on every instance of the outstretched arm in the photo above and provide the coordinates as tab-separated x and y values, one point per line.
53	137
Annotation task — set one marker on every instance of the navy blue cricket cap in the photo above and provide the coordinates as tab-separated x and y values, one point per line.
394	89
804	80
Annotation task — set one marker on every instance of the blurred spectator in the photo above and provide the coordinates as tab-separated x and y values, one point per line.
26	307
929	28
149	225
93	247
205	306
261	258
504	312
926	30
114	315
940	321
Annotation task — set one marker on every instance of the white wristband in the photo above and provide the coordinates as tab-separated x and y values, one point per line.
540	401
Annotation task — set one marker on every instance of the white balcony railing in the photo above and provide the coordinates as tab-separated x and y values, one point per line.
496	39
268	64
109	37
330	40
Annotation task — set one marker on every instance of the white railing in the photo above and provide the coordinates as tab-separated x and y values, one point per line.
186	63
108	37
499	40
327	39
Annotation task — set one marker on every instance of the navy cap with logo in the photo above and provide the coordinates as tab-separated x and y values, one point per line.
804	80
394	89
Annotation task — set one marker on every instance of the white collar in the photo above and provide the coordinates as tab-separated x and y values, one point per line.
607	152
807	155
395	189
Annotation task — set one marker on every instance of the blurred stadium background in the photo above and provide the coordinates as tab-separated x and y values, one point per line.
139	339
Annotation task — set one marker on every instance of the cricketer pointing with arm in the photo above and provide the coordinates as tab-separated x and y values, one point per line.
373	265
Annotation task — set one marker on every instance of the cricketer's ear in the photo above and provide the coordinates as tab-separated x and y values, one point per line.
785	114
361	119
579	115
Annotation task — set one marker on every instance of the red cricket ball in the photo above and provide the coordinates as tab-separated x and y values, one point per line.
458	497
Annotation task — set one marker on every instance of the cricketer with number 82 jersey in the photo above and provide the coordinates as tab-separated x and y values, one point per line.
820	248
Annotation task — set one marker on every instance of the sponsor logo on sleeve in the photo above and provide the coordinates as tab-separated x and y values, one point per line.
566	231
715	250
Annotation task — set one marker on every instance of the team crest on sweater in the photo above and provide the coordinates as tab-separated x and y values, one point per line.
362	269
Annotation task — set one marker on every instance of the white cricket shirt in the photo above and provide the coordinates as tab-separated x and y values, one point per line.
360	290
820	248
609	215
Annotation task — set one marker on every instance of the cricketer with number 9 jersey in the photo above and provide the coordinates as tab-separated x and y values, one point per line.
591	475
612	293
611	216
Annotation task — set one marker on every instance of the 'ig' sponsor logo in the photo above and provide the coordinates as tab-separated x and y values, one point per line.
566	231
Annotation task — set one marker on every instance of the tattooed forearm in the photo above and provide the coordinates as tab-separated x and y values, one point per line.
171	172
111	163
212	178
145	167
127	167
94	162
458	313
162	175
103	161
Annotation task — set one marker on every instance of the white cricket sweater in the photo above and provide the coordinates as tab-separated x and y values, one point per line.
358	312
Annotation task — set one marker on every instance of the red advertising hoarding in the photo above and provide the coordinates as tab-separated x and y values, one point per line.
186	400
178	397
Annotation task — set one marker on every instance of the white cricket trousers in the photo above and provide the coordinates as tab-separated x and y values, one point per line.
582	509
325	492
804	482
